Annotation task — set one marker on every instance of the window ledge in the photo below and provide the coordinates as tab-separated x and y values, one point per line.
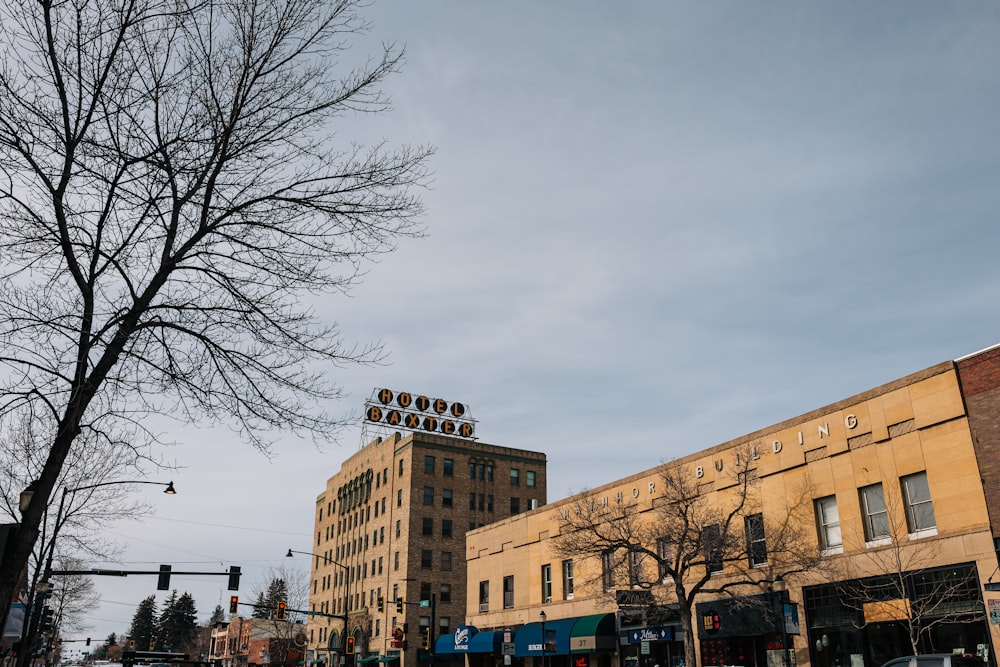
832	551
926	532
880	542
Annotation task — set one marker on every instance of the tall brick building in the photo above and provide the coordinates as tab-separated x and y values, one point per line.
391	525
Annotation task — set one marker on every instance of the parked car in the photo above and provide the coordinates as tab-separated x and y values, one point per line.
937	660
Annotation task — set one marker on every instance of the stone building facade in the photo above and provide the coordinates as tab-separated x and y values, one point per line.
900	483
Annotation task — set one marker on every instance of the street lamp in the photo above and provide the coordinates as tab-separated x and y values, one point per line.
542	615
778	586
347	588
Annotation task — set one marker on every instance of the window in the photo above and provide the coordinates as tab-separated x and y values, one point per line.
489	502
400	467
664	558
472	470
489	472
446	530
634	566
529	478
756	542
828	523
425	590
444	625
428	527
874	512
397	528
446	560
515	505
919	508
395	561
608	570
444	593
426	558
712	544
399	498
428	495
446	495
515	477
472	501
429	465
546	583
567	574
448	467
508	592
484	596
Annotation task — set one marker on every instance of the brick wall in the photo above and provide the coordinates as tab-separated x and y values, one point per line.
979	377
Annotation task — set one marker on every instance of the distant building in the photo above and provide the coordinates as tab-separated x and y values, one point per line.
906	472
255	642
391	525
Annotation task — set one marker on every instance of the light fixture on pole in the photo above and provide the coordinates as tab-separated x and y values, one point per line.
541	614
347	588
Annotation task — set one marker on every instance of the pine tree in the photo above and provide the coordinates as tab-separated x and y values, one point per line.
177	622
260	608
143	629
218	616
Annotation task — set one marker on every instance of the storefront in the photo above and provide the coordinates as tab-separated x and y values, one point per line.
749	630
865	622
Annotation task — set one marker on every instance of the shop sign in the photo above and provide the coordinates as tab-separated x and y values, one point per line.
657	634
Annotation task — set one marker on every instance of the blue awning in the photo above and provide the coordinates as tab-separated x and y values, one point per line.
457	642
528	640
486	642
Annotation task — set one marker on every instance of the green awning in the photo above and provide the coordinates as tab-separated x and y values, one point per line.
593	633
389	658
371	658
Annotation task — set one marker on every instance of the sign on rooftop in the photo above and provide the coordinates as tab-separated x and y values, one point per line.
417	412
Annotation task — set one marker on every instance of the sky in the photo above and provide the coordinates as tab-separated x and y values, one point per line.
653	227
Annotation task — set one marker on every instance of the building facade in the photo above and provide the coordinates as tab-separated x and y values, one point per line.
896	490
389	549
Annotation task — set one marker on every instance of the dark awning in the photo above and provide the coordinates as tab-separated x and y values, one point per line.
389	658
486	642
593	633
528	639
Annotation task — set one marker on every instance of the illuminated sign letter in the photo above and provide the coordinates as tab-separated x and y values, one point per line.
447	427
422	403
412	420
465	430
440	405
404	399
430	423
384	396
374	413
393	417
457	409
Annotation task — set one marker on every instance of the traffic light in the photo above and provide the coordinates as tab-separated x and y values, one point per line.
163	580
131	644
280	614
234	601
399	605
234	577
426	630
349	645
88	641
15	648
381	604
45	620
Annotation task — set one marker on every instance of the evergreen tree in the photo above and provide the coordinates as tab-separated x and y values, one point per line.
277	591
177	622
260	609
218	616
143	629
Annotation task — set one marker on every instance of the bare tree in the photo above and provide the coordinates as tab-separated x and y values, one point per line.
675	549
896	580
173	199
